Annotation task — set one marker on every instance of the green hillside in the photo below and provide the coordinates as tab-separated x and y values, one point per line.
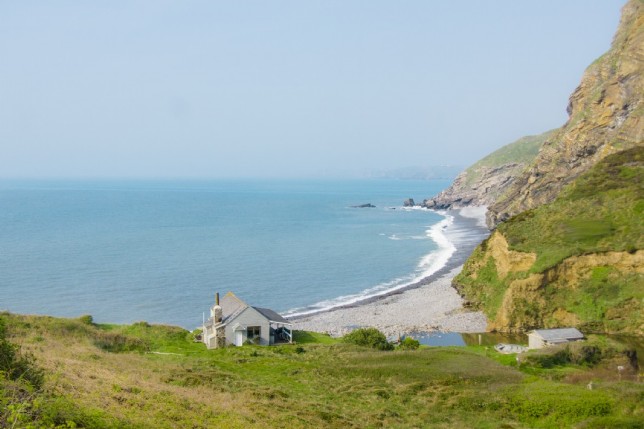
602	211
143	376
522	151
586	270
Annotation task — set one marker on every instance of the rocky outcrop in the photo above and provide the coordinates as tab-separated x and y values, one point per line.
482	183
605	116
409	202
484	192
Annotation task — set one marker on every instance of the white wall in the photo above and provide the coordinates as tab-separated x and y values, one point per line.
249	317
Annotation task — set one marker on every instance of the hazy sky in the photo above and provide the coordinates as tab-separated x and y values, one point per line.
280	88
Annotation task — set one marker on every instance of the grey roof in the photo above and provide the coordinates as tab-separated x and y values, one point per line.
271	315
559	334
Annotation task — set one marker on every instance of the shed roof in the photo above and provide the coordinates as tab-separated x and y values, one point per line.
271	315
559	334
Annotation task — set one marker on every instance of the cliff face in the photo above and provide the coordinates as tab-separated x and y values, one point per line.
605	116
577	261
482	183
595	292
567	249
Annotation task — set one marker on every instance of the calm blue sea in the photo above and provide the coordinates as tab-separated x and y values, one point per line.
125	251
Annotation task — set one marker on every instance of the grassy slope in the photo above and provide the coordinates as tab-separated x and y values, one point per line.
309	385
601	211
522	151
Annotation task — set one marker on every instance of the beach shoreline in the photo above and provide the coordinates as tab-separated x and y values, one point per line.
430	304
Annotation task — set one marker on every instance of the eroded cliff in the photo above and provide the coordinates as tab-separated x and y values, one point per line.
577	261
605	116
482	183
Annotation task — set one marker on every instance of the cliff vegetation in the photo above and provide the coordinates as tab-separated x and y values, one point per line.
567	248
483	182
605	117
574	262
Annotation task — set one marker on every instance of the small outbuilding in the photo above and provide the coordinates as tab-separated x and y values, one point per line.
232	321
540	338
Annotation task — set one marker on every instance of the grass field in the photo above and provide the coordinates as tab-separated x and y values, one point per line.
156	376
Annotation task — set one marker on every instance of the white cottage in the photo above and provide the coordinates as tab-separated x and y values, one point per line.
540	338
234	322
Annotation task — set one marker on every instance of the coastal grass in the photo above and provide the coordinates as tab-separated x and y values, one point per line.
165	379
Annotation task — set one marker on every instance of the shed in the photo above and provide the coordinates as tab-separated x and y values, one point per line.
540	338
232	321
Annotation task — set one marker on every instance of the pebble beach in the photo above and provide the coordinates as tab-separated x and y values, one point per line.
430	305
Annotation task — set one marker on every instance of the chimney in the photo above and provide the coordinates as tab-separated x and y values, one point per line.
217	298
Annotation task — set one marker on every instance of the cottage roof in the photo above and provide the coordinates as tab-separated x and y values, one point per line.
231	306
271	315
560	334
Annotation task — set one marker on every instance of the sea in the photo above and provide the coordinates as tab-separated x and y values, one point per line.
158	250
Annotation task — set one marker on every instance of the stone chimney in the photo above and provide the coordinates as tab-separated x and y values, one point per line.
217	312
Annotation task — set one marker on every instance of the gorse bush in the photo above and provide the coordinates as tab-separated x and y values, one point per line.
368	337
409	344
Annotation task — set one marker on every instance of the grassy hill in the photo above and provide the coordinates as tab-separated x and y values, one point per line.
522	151
575	261
482	183
107	376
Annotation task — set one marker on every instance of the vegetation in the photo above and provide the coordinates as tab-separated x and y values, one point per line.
369	337
600	212
522	151
174	382
409	344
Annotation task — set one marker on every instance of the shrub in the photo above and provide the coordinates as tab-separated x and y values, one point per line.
116	343
15	365
409	344
86	319
369	337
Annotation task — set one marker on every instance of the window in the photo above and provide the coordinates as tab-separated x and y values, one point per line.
253	333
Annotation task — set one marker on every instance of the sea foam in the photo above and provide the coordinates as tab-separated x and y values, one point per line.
428	265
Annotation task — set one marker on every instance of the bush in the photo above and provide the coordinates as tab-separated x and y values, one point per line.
586	353
117	343
409	344
368	337
86	319
17	366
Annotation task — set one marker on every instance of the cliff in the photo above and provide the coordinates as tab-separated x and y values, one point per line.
605	117
482	183
577	261
567	249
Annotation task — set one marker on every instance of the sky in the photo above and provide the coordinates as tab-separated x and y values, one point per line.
213	89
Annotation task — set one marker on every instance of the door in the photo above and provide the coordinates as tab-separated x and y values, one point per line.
239	339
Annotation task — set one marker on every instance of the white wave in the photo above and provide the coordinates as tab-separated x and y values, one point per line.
428	265
475	212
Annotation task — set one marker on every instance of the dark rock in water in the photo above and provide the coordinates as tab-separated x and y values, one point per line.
409	202
364	206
